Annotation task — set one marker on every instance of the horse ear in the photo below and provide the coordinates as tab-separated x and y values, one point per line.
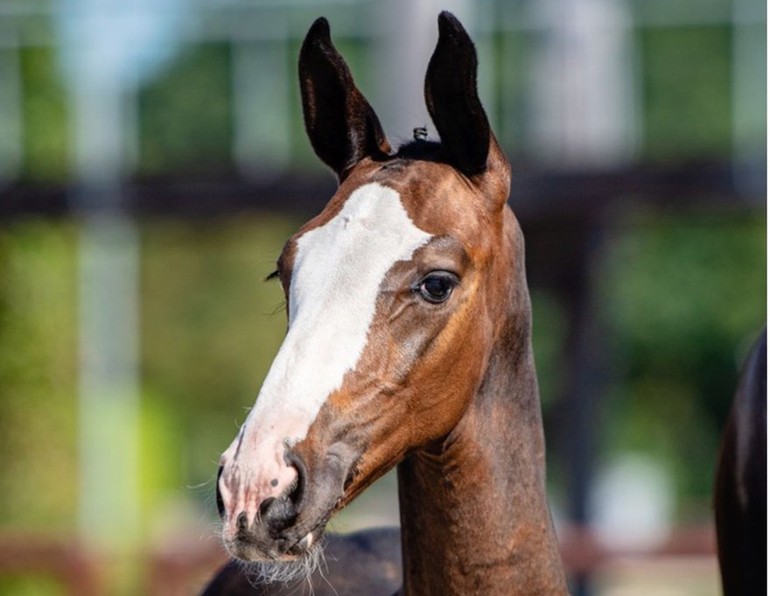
341	125
454	105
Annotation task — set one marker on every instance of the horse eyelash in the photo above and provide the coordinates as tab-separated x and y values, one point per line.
272	276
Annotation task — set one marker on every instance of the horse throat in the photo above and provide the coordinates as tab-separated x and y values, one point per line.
474	511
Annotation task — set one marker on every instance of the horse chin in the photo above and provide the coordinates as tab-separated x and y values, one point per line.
298	563
288	568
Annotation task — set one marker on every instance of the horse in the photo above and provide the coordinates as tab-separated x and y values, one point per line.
740	496
408	344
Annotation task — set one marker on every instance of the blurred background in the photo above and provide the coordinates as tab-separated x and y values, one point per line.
153	161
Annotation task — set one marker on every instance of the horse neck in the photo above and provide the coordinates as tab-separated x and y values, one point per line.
474	512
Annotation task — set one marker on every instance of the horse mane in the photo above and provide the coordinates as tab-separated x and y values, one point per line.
421	149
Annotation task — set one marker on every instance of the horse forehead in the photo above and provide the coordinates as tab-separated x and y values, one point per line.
369	217
438	199
434	199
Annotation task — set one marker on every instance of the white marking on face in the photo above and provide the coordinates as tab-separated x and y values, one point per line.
338	270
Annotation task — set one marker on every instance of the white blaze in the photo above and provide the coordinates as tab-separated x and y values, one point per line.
338	270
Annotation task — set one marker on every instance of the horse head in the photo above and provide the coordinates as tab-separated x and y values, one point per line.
396	294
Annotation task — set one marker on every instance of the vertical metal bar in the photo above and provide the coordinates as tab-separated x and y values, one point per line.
109	378
587	366
583	92
408	34
108	262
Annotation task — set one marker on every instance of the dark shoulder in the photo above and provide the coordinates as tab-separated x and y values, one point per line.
366	562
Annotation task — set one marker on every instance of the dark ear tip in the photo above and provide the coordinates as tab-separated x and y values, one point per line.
319	31
448	24
445	17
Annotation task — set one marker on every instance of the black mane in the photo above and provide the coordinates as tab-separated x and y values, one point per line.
422	150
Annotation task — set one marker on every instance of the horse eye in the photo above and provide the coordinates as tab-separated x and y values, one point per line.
437	286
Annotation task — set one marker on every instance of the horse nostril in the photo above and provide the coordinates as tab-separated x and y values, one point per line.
298	493
220	500
277	514
264	507
243	523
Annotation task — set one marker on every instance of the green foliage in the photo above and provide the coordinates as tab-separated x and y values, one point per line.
686	297
45	118
210	326
37	376
510	89
548	337
161	441
30	586
185	115
686	90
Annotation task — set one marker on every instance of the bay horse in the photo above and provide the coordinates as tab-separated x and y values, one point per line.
740	496
408	344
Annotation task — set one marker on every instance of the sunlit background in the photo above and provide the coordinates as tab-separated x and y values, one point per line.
153	161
